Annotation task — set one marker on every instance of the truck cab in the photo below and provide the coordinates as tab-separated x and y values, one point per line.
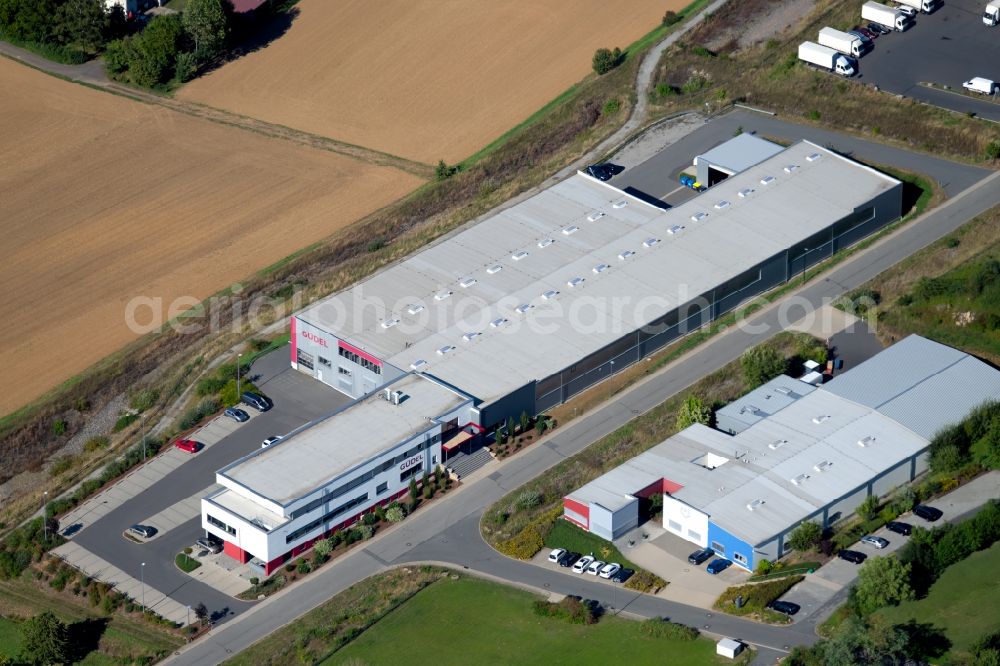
992	14
844	66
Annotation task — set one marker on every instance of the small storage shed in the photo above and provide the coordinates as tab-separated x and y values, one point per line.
729	647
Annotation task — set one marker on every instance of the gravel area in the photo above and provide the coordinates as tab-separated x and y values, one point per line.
653	140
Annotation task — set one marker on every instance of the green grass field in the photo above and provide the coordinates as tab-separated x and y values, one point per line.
964	602
469	621
10	638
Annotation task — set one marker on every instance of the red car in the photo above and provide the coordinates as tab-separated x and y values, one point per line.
188	445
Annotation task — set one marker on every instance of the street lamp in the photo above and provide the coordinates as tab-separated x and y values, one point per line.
805	253
238	392
189	615
45	518
142	581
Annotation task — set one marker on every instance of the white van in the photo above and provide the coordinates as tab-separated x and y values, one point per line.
980	85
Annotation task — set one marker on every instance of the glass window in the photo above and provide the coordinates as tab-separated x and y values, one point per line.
675	526
718	548
212	520
382	487
739	558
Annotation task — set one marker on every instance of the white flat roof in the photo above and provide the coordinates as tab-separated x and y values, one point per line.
325	449
461	290
247	509
740	153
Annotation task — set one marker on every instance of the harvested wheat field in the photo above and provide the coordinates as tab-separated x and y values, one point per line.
423	79
103	199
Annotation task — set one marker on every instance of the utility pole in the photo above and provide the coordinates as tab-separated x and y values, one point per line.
238	392
142	581
45	517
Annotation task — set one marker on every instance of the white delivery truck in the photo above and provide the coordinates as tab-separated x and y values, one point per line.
992	14
843	42
925	6
887	16
980	85
825	57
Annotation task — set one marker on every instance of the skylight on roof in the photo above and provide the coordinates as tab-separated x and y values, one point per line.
493	270
767	180
698	217
723	204
545	242
550	294
444	350
600	268
650	242
812	157
570	230
441	295
745	192
800	479
467	282
626	254
791	167
472	335
575	281
518	256
821	418
415	308
389	323
823	466
595	216
419	363
777	444
619	204
524	307
676	229
498	322
755	504
866	441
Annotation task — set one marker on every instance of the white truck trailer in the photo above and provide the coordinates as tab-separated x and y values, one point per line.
925	6
825	57
992	14
842	41
887	16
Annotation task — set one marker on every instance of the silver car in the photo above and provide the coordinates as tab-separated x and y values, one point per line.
876	541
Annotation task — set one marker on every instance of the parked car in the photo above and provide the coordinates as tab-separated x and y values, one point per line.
595	567
582	564
144	531
622	575
852	556
899	528
717	565
876	541
699	556
568	559
786	607
258	402
866	33
928	513
878	28
237	414
270	440
604	171
609	570
188	445
556	553
211	543
865	39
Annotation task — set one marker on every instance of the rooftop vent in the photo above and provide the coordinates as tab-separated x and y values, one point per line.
600	268
493	270
389	323
498	322
444	350
625	255
783	390
867	441
822	466
414	308
674	230
550	294
723	204
791	167
777	444
744	193
619	204
440	296
397	397
812	157
467	282
545	242
800	479
524	307
698	217
595	216
575	282
821	418
419	363
468	337
767	180
518	256
753	409
568	231
650	242
755	504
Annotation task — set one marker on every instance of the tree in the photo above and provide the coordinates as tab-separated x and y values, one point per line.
670	17
693	411
863	643
44	640
155	51
868	508
540	425
413	489
82	23
882	581
201	612
525	421
805	536
761	364
444	171
322	547
205	22
606	60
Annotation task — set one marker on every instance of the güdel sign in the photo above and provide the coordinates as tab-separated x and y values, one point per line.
315	338
412	462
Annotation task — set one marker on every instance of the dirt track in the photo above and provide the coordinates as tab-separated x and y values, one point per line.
423	79
104	199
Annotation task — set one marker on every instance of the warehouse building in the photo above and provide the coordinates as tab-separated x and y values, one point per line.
732	157
276	502
550	296
798	453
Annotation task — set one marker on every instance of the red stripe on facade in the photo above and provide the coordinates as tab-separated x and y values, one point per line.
235	552
362	354
294	340
579	508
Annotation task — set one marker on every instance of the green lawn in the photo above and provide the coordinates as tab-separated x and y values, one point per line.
567	535
469	621
10	638
186	563
964	602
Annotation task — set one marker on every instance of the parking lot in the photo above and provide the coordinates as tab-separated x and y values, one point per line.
947	47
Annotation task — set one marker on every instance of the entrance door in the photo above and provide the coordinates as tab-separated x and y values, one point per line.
319	375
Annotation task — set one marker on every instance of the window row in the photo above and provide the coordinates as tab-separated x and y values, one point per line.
212	520
305	529
363	362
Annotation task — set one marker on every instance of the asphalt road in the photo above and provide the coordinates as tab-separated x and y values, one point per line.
447	531
947	47
657	175
297	399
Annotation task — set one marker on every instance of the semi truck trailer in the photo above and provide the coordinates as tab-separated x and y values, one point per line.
843	42
887	16
826	58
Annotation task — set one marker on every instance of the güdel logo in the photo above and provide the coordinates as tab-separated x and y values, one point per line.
412	462
315	338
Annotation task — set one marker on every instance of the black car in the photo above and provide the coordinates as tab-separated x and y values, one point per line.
237	414
928	513
604	171
879	28
622	575
786	607
568	559
699	556
258	402
899	528
852	556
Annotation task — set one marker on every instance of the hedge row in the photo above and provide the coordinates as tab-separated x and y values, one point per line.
644	581
527	542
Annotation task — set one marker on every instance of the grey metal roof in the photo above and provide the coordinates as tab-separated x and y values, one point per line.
740	153
765	400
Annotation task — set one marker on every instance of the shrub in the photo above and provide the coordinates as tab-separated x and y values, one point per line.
813	115
671	17
663	628
694	84
322	547
693	411
59	427
366	532
761	364
606	60
611	107
304	567
524	544
702	51
528	499
570	609
868	509
124	421
144	399
209	386
254	580
756	596
395	514
644	581
764	567
993	150
805	536
369	518
62	464
96	444
290	567
665	90
443	171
